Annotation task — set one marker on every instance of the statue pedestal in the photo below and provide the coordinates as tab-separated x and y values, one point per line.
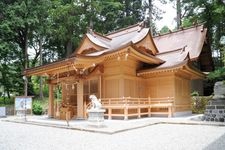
96	117
215	110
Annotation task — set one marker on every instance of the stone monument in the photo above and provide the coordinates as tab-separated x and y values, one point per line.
215	110
95	113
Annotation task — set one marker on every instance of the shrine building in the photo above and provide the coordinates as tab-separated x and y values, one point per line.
132	73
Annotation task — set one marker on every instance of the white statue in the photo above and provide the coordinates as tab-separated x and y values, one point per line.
96	104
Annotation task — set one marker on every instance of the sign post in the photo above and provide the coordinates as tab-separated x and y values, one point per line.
22	104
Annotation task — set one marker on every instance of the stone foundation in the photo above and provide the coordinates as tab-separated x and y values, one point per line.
96	117
215	110
214	113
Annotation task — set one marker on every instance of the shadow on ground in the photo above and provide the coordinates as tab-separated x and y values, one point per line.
217	144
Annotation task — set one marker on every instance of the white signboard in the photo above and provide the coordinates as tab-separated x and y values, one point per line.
22	103
222	40
2	112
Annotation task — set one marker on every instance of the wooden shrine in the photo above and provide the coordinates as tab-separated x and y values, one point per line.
133	73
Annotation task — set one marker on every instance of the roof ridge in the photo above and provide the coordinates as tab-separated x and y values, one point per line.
181	29
125	28
101	35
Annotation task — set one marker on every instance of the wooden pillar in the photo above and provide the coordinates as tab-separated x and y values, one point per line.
139	109
51	101
149	107
125	113
109	113
169	111
109	110
100	86
80	100
139	112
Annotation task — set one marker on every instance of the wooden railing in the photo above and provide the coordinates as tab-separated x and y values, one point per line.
126	101
141	106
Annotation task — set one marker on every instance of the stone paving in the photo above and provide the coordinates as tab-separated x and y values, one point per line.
176	134
111	126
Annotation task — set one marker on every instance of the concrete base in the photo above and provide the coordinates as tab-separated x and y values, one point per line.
96	117
182	113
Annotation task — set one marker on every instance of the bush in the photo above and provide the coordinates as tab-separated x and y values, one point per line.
6	101
37	108
198	103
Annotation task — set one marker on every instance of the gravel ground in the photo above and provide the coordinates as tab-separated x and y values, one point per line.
15	136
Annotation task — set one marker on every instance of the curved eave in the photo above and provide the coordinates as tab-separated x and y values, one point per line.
79	50
88	60
148	33
130	49
145	58
45	69
195	73
185	67
96	41
161	69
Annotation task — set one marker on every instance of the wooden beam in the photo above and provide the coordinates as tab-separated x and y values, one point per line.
80	100
51	101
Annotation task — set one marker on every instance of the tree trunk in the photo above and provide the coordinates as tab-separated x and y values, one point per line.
69	48
41	81
26	62
150	15
178	14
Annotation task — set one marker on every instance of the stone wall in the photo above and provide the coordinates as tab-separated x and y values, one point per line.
214	113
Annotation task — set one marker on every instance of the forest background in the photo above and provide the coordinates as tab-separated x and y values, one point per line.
52	29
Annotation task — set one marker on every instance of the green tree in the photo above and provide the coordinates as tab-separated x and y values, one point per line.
212	13
165	29
153	13
19	19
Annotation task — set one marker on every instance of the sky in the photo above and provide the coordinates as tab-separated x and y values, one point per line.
168	16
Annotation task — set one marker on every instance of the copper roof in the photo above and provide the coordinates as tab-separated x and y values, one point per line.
172	49
192	39
177	47
115	40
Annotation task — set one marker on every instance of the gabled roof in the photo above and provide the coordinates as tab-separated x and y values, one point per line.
178	48
111	42
169	51
191	38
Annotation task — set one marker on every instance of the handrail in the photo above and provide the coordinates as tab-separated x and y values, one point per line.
135	101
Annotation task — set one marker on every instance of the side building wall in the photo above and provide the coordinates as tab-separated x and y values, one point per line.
120	80
169	84
182	95
161	85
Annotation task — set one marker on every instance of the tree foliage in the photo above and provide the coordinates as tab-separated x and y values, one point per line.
52	29
212	14
35	32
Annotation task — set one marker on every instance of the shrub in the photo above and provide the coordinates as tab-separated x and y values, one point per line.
37	108
6	101
198	103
